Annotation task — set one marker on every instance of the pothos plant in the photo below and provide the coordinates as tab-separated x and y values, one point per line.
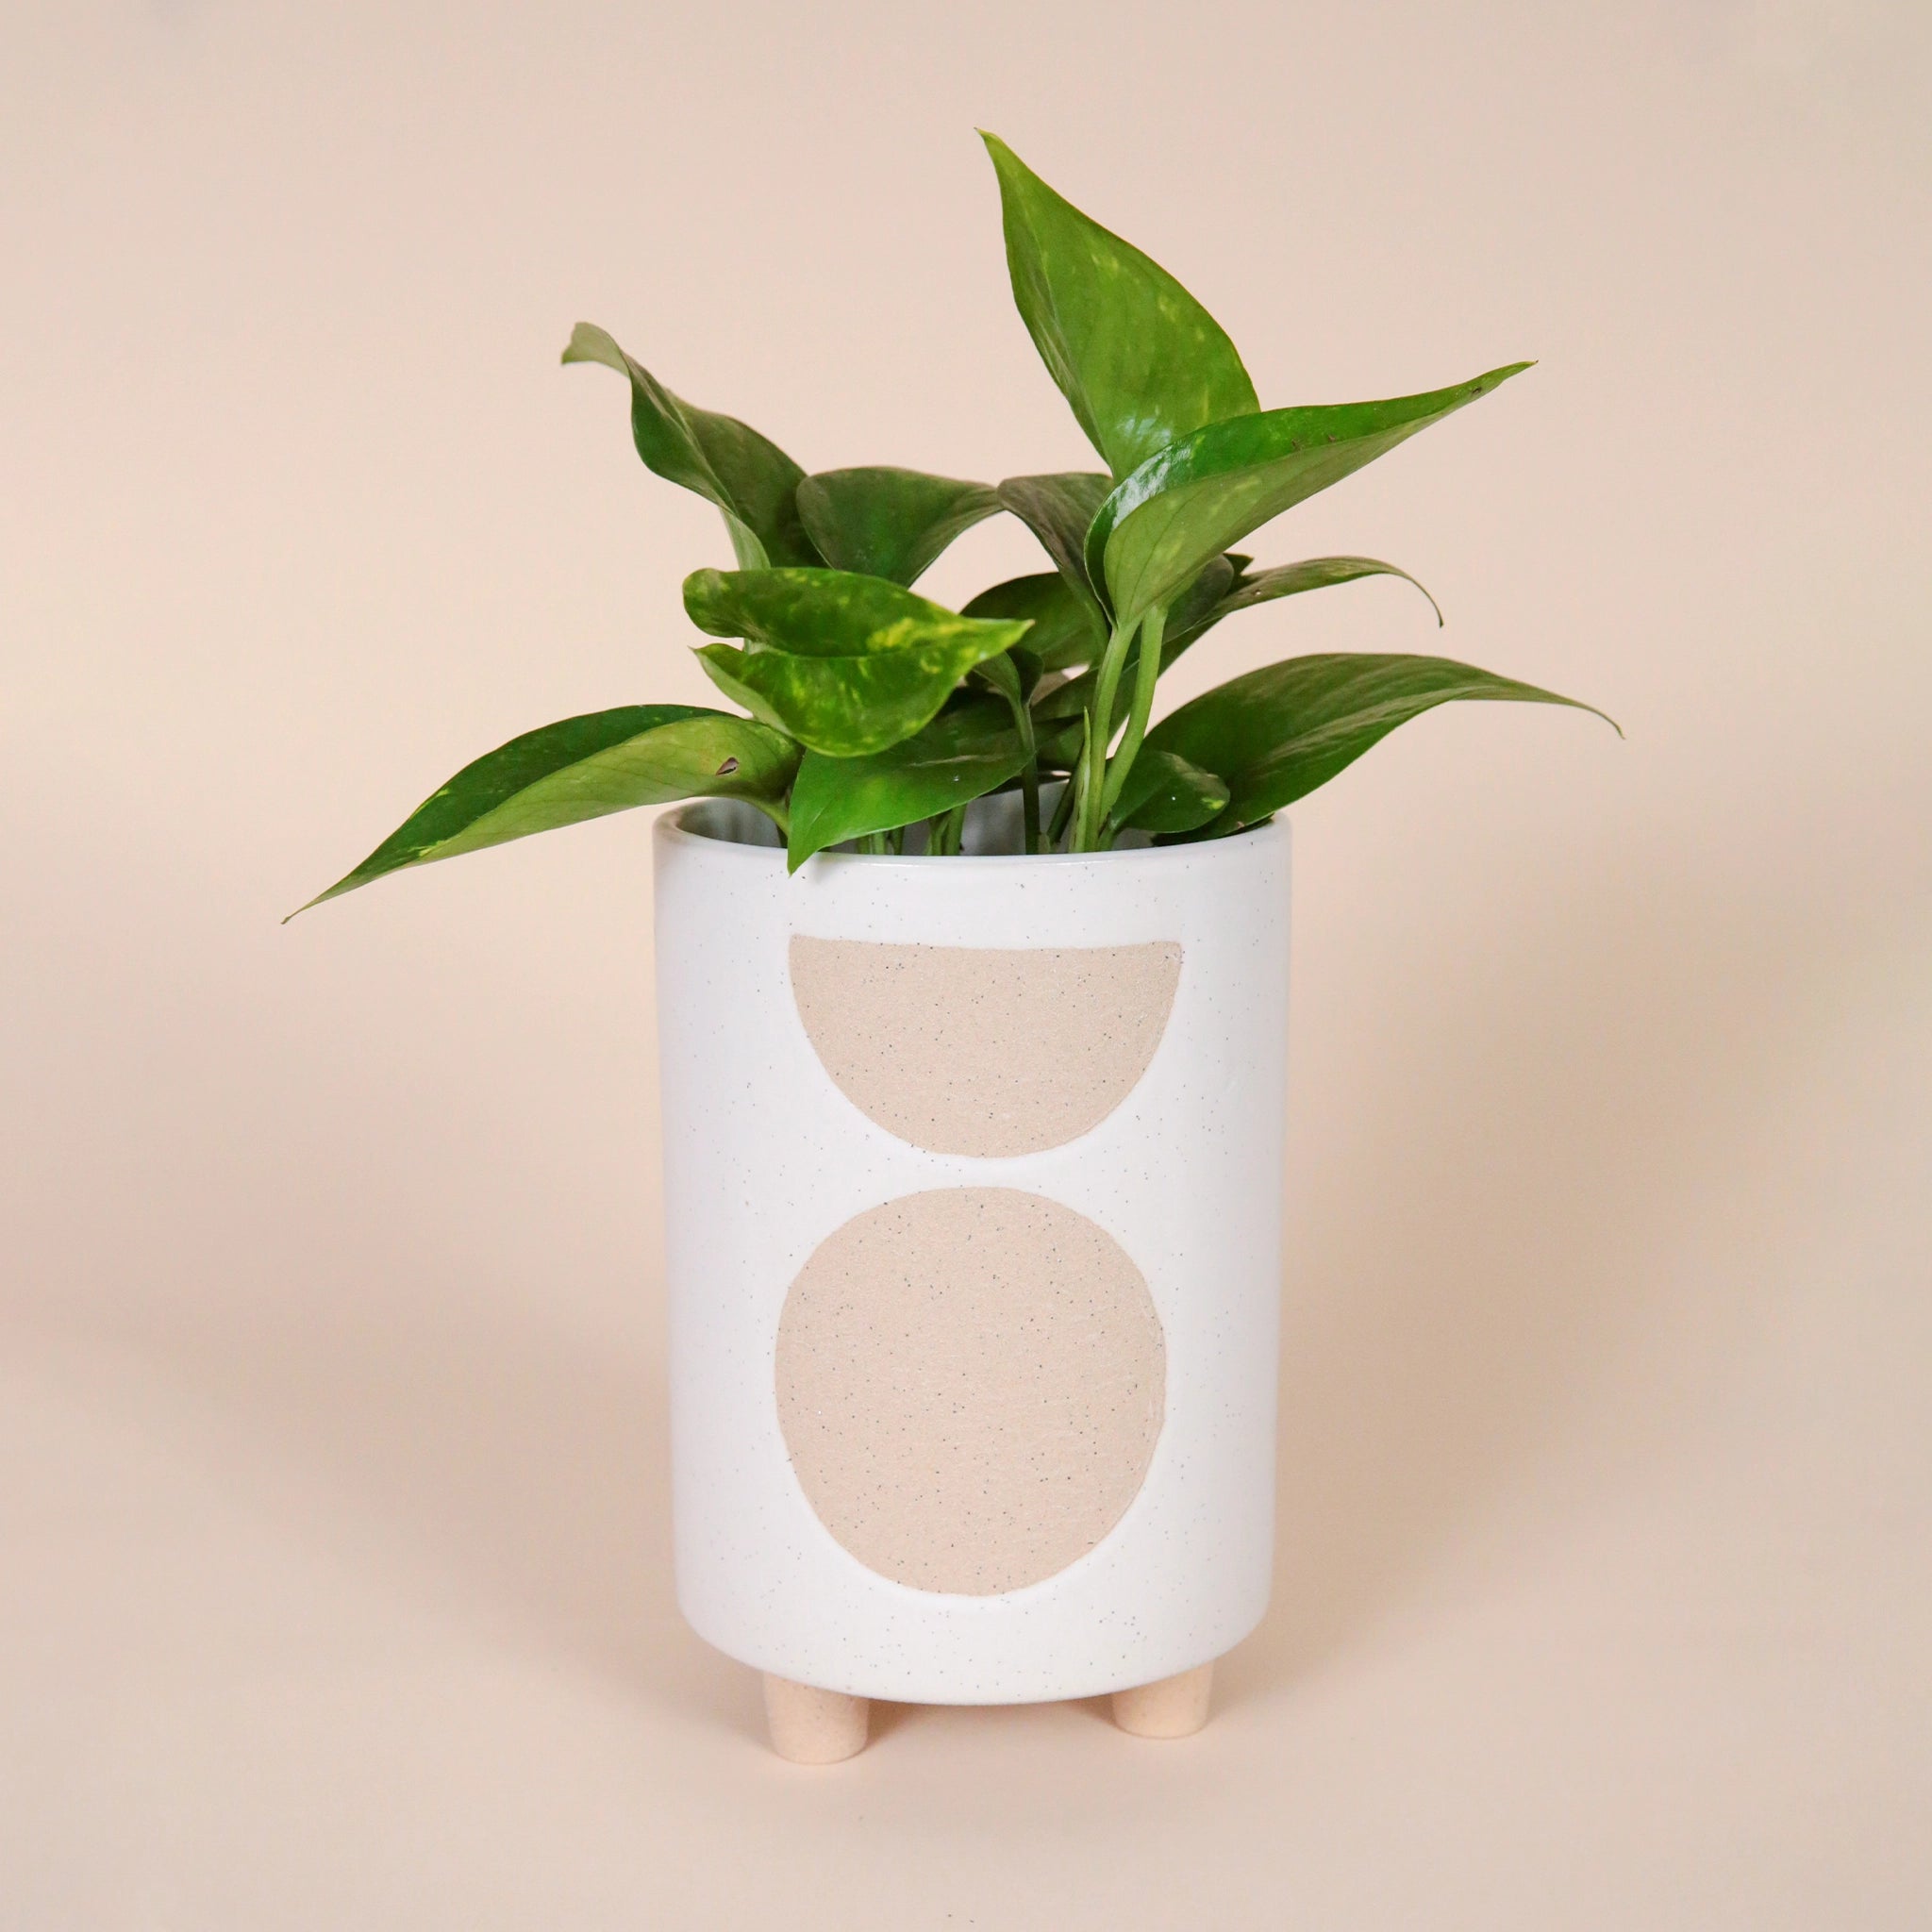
874	715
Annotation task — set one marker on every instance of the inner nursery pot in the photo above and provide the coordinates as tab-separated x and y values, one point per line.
972	1207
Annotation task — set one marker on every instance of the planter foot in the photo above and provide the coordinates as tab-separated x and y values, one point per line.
1174	1707
811	1727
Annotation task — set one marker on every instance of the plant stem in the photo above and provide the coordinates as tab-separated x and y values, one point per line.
1146	675
873	844
1093	769
948	830
1029	773
1029	778
1062	810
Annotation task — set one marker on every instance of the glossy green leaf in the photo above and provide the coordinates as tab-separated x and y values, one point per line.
846	665
748	477
1311	573
1200	609
1140	360
889	523
584	768
969	750
1066	632
1275	734
1195	500
1221	590
831	613
842	707
1001	674
1059	510
1165	794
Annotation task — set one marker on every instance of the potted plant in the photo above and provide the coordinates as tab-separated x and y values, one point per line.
971	984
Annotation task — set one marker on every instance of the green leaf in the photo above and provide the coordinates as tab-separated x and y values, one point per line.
749	478
842	707
583	768
1139	358
830	613
1198	610
1165	794
1003	676
1313	573
846	665
1218	591
1275	734
1059	510
1065	632
889	523
964	753
1208	491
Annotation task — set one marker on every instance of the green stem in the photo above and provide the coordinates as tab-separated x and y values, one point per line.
950	832
1146	675
1029	778
1029	773
873	844
1064	810
1092	771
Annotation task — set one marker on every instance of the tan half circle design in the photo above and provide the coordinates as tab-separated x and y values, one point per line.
984	1049
971	1382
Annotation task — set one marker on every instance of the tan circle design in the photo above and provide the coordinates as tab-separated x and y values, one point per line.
971	1382
984	1049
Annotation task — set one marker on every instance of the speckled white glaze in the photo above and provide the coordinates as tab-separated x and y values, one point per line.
764	1158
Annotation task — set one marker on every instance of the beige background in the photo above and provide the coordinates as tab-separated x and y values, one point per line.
333	1584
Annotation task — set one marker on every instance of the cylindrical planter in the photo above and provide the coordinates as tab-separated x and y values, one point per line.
973	1205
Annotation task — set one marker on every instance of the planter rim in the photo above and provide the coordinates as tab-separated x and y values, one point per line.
671	826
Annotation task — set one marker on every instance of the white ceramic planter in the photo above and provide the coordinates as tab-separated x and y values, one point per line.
973	1183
